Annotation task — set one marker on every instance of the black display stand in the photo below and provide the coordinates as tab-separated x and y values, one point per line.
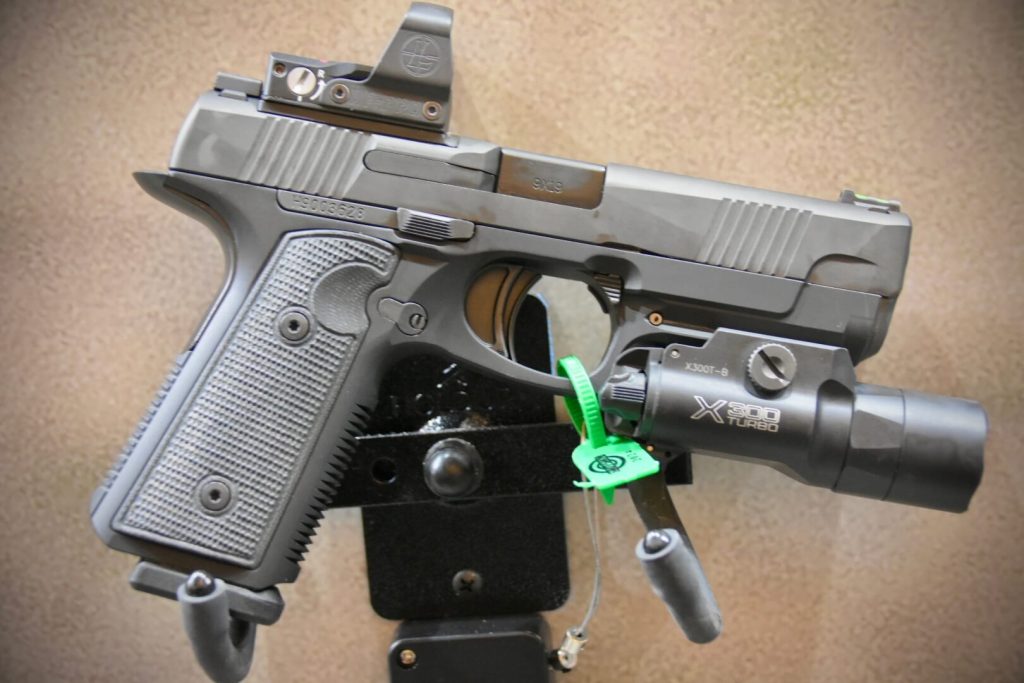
468	575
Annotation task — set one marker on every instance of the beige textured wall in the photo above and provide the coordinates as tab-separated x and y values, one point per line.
100	286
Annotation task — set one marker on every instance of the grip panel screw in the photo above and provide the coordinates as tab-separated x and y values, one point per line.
215	494
294	324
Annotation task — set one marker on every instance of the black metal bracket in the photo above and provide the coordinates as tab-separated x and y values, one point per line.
499	551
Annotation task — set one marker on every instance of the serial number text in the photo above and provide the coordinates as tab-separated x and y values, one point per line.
327	207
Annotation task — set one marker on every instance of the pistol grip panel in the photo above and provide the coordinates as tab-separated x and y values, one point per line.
254	417
140	429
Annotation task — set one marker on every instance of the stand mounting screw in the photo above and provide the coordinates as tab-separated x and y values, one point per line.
407	658
467	581
453	468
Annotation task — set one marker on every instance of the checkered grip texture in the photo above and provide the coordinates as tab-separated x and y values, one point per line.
257	410
140	429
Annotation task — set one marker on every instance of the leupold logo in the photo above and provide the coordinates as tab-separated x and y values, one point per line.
607	464
420	56
743	415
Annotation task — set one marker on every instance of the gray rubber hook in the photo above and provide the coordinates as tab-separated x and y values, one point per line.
223	644
671	563
677	578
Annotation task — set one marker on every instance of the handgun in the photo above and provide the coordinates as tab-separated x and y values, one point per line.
358	231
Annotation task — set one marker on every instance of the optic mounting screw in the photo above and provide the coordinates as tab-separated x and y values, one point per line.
431	111
771	367
339	93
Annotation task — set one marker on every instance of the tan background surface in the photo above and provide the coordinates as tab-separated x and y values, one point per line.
101	286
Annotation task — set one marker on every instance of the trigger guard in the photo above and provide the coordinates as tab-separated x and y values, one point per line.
457	339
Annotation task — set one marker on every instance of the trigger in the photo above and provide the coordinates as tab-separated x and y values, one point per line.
493	301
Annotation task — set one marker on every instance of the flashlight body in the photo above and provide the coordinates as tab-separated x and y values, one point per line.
801	411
